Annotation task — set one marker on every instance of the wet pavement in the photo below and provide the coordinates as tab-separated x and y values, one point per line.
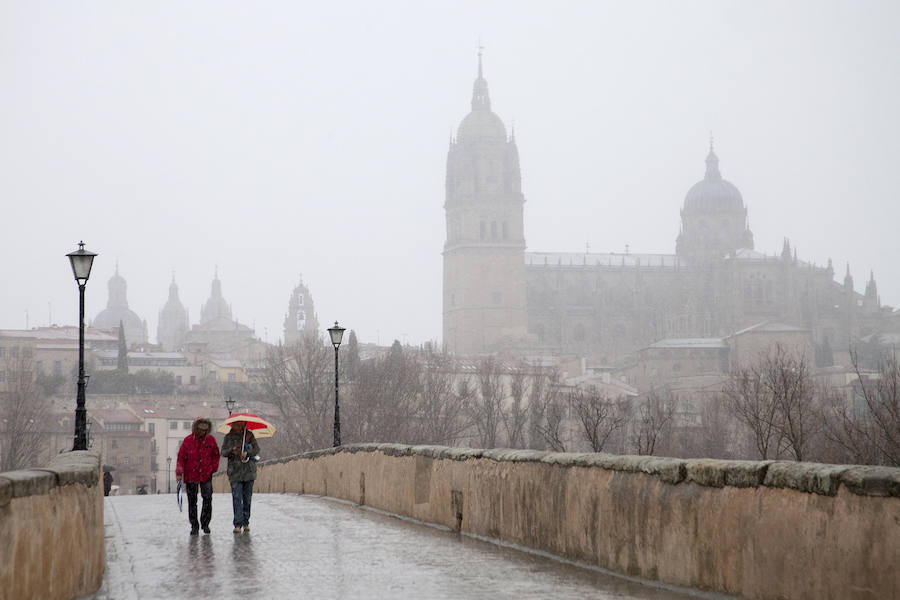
314	547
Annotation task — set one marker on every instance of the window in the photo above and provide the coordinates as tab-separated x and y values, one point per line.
178	379
126	460
114	443
57	367
140	460
496	297
186	425
231	377
39	366
151	427
193	379
173	424
483	230
2	375
505	230
493	230
2	351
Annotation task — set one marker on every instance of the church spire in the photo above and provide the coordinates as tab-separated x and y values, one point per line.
480	98
712	163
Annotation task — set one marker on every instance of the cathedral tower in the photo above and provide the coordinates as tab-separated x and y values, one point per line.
301	319
173	321
484	260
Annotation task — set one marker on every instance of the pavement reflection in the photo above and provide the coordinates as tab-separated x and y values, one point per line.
306	546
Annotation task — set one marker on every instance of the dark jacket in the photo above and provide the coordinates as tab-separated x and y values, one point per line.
198	457
237	470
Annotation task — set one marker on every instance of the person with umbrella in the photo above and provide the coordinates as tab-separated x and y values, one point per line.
242	451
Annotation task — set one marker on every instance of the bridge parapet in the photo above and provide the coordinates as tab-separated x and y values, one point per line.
51	524
757	529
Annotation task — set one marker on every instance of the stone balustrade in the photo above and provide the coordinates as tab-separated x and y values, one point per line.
51	529
754	529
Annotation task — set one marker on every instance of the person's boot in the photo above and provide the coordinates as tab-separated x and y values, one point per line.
194	531
237	529
206	529
247	528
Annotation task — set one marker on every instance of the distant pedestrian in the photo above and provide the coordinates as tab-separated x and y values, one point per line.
241	449
107	482
198	459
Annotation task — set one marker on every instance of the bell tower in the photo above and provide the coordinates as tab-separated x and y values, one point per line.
484	253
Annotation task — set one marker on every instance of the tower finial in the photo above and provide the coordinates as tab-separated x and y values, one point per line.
480	98
480	50
712	163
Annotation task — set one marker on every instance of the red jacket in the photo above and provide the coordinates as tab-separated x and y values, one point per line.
198	458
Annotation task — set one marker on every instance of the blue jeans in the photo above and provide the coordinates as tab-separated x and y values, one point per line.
241	493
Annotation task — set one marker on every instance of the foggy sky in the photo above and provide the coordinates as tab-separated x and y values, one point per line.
278	139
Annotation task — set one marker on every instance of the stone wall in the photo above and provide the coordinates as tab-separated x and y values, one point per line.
767	529
51	527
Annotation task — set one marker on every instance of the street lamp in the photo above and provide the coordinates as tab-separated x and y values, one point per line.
229	404
336	333
168	475
81	261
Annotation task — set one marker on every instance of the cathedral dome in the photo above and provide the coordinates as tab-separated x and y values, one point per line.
117	311
713	194
479	125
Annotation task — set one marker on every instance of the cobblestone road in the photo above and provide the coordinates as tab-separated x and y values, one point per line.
312	547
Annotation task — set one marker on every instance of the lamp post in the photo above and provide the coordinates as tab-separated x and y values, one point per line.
168	475
336	333
81	261
229	404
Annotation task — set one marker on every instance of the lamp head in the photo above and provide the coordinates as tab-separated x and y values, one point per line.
81	261
336	333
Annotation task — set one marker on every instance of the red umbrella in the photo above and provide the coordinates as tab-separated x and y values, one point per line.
259	426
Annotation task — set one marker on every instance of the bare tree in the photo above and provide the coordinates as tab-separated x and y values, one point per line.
298	381
547	411
383	404
486	407
599	416
23	412
515	414
442	405
867	427
775	399
791	387
750	400
652	417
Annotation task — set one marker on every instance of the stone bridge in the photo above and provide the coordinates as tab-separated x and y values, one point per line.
504	524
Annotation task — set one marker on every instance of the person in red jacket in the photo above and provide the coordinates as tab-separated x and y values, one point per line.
198	459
